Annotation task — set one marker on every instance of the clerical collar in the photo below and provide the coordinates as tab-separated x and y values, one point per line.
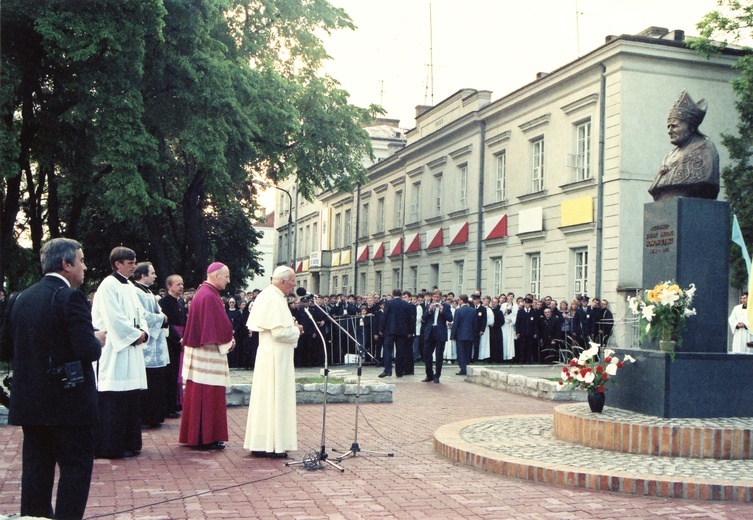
745	306
119	277
141	286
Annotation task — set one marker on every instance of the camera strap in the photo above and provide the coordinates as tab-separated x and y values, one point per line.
53	302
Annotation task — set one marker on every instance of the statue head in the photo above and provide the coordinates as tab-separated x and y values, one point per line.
684	118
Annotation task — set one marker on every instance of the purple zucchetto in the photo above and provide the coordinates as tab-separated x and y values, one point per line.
215	266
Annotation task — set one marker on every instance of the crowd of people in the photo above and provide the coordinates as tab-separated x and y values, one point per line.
88	376
505	329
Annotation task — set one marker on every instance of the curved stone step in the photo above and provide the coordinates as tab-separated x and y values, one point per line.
525	447
632	432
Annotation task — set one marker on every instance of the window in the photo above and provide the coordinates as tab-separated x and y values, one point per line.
380	215
501	172
414	279
361	283
345	284
437	206
534	274
415	205
307	242
537	172
580	274
459	276
398	209
280	247
315	236
348	232
378	282
463	178
364	219
335	281
496	276
338	231
583	151
299	247
434	275
396	278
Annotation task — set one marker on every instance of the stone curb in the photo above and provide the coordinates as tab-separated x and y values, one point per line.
313	393
520	384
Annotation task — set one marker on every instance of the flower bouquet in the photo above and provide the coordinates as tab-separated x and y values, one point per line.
591	371
663	311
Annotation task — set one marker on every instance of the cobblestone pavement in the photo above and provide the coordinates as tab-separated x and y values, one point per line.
532	438
169	481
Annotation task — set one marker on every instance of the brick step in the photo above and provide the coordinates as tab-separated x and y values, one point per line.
631	432
525	447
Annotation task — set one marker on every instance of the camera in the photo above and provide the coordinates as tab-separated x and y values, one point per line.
69	375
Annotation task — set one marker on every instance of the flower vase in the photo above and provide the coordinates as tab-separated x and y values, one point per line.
666	345
596	401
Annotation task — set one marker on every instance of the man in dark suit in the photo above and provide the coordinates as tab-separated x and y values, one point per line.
434	325
527	329
582	323
175	309
47	328
398	326
464	332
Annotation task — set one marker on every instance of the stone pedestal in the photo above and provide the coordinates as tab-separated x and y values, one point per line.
688	240
694	385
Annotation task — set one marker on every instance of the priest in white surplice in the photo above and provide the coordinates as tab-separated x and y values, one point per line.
738	322
121	373
271	427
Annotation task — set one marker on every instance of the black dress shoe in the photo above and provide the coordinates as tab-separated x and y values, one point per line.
436	380
216	445
173	415
384	375
461	374
427	380
269	455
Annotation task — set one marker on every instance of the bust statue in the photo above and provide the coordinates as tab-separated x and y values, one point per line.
692	168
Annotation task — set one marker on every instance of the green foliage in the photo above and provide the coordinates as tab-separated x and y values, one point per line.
718	30
142	123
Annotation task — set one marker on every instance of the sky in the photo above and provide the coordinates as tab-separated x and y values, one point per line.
496	45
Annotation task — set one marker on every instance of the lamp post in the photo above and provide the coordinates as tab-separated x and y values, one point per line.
290	215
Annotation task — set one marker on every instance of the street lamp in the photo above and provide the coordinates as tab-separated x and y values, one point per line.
291	260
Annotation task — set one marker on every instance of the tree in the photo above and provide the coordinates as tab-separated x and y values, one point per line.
719	29
143	122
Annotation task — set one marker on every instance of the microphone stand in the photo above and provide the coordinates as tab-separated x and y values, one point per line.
321	455
361	352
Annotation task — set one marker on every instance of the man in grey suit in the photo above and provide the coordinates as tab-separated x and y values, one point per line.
435	320
48	335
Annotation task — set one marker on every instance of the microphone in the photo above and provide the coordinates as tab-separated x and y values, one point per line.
301	291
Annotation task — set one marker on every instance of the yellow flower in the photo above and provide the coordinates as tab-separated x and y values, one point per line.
653	295
675	289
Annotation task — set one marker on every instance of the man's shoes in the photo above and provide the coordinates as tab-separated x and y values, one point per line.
398	375
216	445
173	415
384	375
436	380
427	380
269	455
461	373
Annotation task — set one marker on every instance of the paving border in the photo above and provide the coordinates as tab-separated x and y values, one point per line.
522	384
449	443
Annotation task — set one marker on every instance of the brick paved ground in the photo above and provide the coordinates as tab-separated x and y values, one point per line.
172	482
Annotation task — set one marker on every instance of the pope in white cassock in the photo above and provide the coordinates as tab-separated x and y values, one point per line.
738	322
271	427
